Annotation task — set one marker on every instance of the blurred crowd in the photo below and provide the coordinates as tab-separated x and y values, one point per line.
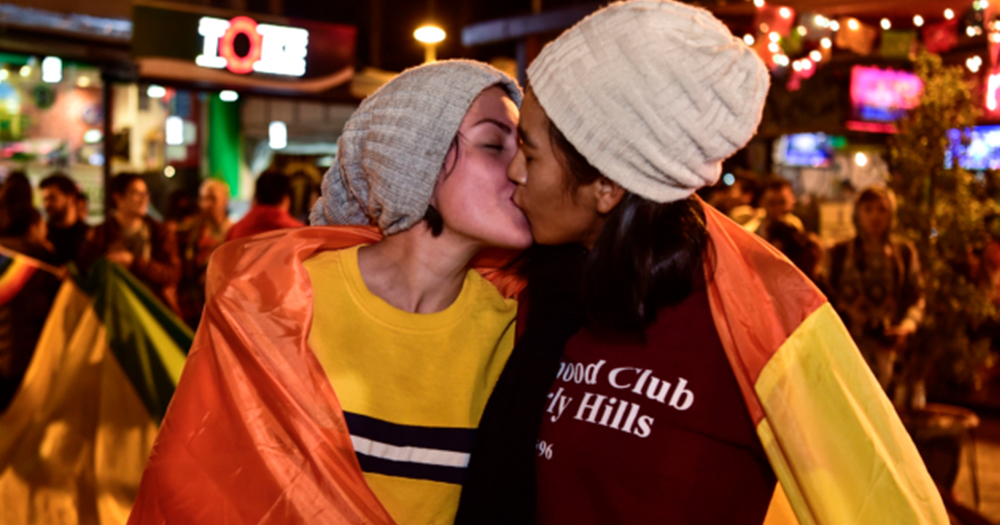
169	257
873	278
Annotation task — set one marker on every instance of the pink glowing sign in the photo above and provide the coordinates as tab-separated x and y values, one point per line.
883	95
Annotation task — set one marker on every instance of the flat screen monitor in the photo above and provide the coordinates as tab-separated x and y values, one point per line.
883	95
813	150
982	151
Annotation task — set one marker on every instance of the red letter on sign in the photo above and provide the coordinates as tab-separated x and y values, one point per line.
235	63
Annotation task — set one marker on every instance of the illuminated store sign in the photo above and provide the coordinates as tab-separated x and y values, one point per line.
234	50
278	50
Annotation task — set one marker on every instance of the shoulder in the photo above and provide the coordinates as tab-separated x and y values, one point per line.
486	296
262	253
841	247
98	233
325	262
157	227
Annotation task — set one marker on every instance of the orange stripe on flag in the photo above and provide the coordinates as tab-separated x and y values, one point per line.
14	279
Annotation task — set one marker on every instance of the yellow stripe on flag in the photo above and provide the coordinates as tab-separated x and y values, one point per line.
74	441
173	357
780	511
868	470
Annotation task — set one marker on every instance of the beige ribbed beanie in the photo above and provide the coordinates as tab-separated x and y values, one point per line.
394	145
654	94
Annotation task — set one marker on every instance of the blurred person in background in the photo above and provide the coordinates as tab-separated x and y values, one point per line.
136	241
987	273
15	192
803	249
739	205
182	210
875	283
203	234
271	201
82	205
28	283
67	229
777	200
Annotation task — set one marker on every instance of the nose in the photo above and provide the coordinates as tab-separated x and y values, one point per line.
517	171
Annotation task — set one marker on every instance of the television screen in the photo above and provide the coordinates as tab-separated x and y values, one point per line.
982	152
883	95
805	149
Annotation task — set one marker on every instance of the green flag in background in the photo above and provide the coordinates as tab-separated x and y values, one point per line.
75	438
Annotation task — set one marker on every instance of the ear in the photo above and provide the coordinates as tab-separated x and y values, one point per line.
608	194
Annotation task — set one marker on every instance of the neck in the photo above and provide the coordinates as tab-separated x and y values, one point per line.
872	240
415	271
68	219
127	220
590	239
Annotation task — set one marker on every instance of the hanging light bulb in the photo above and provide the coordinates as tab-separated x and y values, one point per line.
834	25
918	20
748	38
826	43
949	14
886	24
815	55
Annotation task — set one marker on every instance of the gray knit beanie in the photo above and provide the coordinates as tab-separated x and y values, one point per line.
654	94
394	145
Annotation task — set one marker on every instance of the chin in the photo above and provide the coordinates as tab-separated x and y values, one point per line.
519	240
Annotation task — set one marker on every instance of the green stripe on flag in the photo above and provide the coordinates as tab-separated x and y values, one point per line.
148	340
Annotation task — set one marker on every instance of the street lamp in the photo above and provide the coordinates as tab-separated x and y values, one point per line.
429	36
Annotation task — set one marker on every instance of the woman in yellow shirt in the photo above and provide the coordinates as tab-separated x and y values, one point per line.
410	337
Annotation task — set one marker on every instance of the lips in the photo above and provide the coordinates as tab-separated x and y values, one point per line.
515	200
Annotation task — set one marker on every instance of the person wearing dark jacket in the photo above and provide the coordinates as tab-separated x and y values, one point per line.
134	240
67	230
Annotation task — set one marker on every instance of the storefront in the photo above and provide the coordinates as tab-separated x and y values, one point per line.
229	95
51	119
178	94
53	71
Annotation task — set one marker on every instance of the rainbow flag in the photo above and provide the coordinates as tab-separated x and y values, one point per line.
75	438
838	448
14	274
255	433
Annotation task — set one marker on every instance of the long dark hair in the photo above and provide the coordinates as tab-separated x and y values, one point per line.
649	254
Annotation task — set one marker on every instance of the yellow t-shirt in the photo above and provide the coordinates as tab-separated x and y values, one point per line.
412	386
